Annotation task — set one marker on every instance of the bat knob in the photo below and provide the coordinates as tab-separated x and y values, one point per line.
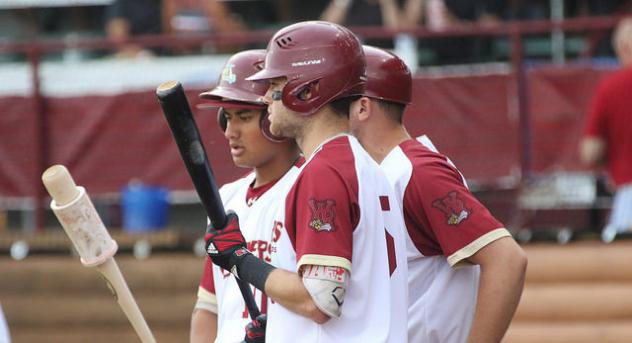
60	185
167	88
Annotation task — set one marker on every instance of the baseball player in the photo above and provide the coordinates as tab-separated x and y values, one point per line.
465	272
220	313
338	271
607	136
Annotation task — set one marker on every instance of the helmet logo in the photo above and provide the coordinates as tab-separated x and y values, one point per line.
228	75
306	63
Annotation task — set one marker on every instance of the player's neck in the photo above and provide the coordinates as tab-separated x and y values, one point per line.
276	167
380	145
318	128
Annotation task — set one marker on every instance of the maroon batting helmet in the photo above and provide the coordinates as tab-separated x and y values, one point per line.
321	57
388	77
234	91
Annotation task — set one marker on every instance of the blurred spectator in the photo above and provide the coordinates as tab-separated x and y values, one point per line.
390	14
184	17
351	13
599	42
199	17
291	11
442	14
15	24
23	22
524	10
434	14
363	12
608	134
27	21
256	14
582	8
127	18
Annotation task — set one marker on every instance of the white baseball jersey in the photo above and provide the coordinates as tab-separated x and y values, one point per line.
255	208
445	225
621	217
5	337
341	212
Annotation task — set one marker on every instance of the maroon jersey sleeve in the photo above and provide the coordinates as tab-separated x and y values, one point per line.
450	221
322	211
206	289
596	120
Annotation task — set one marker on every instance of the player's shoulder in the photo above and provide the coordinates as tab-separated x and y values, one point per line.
427	163
296	168
332	165
332	155
615	79
234	186
338	145
620	74
420	155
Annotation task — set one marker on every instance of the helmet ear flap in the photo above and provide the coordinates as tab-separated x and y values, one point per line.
264	124
221	119
303	97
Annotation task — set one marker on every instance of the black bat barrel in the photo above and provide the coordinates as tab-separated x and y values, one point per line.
175	107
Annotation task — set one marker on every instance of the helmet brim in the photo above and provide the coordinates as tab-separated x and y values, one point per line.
231	94
266	74
217	103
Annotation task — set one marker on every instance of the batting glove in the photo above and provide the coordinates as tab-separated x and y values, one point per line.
226	247
256	330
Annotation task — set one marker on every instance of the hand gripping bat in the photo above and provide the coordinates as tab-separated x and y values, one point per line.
175	107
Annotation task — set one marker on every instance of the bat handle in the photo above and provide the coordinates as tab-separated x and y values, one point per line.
111	272
244	287
246	293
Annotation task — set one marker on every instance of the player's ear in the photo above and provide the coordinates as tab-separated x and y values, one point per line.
362	108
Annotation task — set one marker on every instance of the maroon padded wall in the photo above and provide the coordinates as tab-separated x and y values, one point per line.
107	141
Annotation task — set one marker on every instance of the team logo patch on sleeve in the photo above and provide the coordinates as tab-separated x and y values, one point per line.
323	214
453	208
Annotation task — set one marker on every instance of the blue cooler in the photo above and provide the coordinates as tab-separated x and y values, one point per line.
144	207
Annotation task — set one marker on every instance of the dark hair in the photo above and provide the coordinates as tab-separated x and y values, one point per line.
341	106
393	110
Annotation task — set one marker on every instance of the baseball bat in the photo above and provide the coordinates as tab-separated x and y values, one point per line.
177	111
72	206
